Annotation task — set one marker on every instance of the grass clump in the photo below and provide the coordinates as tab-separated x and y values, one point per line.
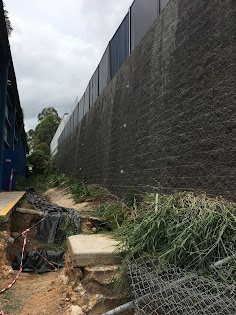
65	230
78	188
42	182
112	215
187	230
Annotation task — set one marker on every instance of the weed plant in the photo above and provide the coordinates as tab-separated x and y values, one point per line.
41	183
187	230
65	230
78	188
38	181
113	215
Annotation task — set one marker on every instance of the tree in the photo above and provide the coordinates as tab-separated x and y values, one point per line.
8	22
38	160
39	139
45	130
30	139
44	147
49	111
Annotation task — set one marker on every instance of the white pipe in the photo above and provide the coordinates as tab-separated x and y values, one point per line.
156	203
120	309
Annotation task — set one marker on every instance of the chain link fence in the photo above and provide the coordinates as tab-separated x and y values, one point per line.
167	289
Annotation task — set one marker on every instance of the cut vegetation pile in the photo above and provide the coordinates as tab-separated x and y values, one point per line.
187	230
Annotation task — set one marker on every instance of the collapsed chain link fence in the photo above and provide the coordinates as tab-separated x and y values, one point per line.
167	289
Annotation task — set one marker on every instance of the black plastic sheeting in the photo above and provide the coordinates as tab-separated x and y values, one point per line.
119	46
163	4
94	87
32	261
104	70
143	15
54	215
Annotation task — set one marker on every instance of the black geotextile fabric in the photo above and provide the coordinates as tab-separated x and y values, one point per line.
55	216
32	261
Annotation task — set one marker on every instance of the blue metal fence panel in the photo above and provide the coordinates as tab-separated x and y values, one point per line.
163	4
94	87
76	116
67	129
119	46
81	109
143	15
136	23
87	100
71	124
104	70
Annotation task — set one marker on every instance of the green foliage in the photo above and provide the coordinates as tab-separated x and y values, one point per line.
79	190
21	183
45	130
38	160
8	22
30	135
39	139
65	230
129	197
187	230
113	215
37	181
44	147
49	111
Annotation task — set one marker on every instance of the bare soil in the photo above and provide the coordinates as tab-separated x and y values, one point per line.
68	291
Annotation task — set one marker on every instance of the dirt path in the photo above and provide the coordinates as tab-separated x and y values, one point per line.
51	293
35	294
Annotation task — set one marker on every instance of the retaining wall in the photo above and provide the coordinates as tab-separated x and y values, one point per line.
168	116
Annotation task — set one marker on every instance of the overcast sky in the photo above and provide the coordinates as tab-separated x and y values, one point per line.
56	46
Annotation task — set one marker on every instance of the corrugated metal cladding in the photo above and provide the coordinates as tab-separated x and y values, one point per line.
71	124
119	46
76	116
86	100
94	87
81	109
163	4
143	15
104	70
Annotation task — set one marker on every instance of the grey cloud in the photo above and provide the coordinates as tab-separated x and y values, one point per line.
56	47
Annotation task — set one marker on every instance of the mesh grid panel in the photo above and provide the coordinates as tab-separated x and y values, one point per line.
170	290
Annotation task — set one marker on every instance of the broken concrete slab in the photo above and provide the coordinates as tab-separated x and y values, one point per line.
90	250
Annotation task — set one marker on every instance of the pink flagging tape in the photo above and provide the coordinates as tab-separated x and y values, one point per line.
55	268
24	234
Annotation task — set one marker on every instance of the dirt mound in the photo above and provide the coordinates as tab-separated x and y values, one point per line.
5	269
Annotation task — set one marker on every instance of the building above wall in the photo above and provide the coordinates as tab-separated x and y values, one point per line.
13	143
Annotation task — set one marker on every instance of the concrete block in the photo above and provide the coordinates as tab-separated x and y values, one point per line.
90	250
